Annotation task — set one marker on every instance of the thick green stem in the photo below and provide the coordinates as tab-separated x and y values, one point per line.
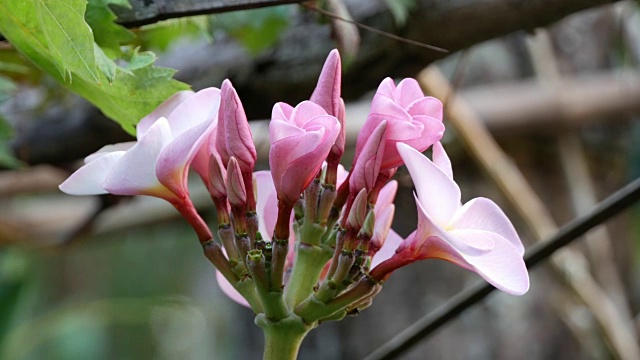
310	260
282	338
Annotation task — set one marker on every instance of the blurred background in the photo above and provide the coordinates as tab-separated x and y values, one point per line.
542	103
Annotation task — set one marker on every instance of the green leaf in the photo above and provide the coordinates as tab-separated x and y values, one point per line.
109	35
258	29
68	37
105	64
400	9
140	60
125	97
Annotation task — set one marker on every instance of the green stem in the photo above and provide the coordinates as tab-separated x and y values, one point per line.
282	338
310	260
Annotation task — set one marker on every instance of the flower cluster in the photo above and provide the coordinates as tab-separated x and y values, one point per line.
307	240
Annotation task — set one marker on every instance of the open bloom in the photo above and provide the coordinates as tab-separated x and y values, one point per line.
157	164
301	138
413	119
476	236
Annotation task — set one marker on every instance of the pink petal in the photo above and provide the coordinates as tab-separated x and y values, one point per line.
407	92
267	204
441	159
200	163
342	175
484	214
428	106
388	248
230	291
367	166
327	91
135	173
280	129
281	111
162	111
386	196
438	194
88	179
306	111
174	160
384	219
200	107
386	88
237	132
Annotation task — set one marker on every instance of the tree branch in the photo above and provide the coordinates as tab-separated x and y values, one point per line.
288	71
145	12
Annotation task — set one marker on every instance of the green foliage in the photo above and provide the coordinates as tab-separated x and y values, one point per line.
59	41
109	35
258	29
7	159
400	9
160	35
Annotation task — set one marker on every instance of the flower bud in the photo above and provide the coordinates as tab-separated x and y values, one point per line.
358	210
235	185
237	133
367	165
217	174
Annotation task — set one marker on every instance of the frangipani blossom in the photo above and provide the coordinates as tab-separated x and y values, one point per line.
413	119
301	138
157	164
476	236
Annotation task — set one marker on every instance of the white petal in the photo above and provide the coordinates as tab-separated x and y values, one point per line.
484	214
88	179
441	159
135	173
502	266
162	111
438	194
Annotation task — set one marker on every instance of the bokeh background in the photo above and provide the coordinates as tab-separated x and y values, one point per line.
124	278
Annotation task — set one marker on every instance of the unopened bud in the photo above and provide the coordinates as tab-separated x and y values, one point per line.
236	192
369	225
217	174
358	210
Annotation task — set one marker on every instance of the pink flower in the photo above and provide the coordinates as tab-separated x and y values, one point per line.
412	119
476	236
327	95
300	141
367	166
237	134
157	164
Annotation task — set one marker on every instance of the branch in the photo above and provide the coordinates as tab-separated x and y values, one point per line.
145	12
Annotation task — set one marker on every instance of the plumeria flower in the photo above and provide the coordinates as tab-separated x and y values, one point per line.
327	95
301	138
157	164
413	119
476	236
